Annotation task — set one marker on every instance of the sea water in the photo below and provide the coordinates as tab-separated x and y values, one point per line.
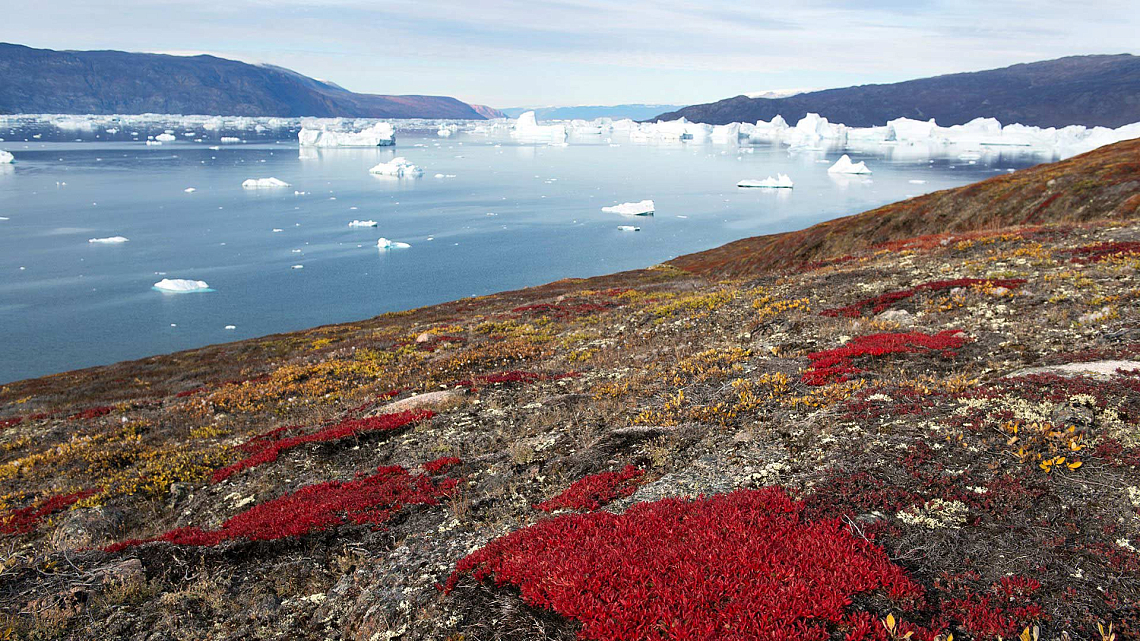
503	215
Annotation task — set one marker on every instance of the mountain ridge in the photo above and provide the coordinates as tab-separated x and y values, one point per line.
108	81
1096	90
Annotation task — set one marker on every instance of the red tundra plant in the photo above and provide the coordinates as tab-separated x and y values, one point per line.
5	423
91	412
434	467
25	519
1104	251
879	303
594	491
344	429
837	365
744	565
365	500
1002	611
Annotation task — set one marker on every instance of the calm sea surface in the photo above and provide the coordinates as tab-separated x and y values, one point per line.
505	215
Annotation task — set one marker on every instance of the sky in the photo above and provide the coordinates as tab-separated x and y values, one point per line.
507	53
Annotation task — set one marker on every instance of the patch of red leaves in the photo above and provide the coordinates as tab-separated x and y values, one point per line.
881	302
562	310
594	491
366	500
838	365
744	565
1003	610
1103	251
190	392
91	412
434	467
344	429
25	519
10	422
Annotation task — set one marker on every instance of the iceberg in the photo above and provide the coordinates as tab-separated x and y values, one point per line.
362	223
381	134
813	129
528	129
782	181
189	190
445	131
641	208
384	243
110	240
628	228
229	139
165	138
845	166
181	285
396	167
6	157
263	183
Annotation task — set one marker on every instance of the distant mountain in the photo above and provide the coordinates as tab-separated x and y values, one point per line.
1079	90
105	82
488	112
589	112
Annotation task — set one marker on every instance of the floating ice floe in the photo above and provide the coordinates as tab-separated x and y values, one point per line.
6	157
153	143
189	190
381	134
384	243
229	139
297	267
396	167
110	240
181	285
445	131
917	182
362	223
230	327
628	228
165	138
527	129
782	181
264	183
641	208
845	166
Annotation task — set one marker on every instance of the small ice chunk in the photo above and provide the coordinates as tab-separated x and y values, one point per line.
181	285
845	166
782	181
396	167
384	243
229	139
189	190
917	182
231	327
165	138
153	143
297	267
263	183
641	208
277	231
628	228
110	240
6	157
362	223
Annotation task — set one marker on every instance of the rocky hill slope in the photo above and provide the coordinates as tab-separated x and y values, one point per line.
1078	90
889	435
117	82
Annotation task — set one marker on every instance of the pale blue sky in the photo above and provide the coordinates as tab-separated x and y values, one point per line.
507	53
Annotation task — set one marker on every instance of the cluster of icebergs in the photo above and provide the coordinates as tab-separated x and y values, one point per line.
814	132
381	134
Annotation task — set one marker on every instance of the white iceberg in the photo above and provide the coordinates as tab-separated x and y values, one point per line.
153	143
641	208
362	223
445	131
381	134
813	129
263	183
6	157
384	243
181	285
229	139
628	228
110	240
189	190
396	167
165	138
845	166
782	181
528	129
